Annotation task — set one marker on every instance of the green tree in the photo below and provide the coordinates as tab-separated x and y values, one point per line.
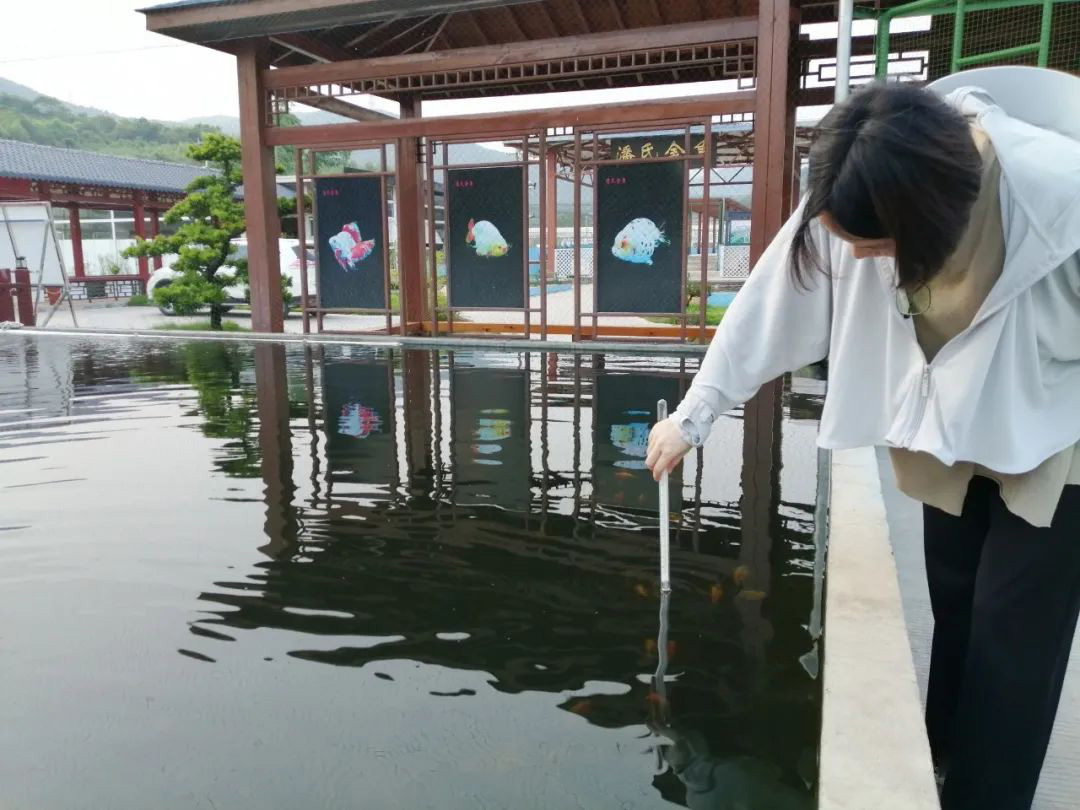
206	220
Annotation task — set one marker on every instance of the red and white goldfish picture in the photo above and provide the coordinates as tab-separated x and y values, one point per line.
358	421
350	248
486	239
637	242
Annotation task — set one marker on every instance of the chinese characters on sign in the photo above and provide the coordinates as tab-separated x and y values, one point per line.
650	148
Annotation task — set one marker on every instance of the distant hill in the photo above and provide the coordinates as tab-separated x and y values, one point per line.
230	124
21	91
29	116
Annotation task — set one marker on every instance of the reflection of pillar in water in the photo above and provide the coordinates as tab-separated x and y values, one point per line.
759	505
418	419
275	443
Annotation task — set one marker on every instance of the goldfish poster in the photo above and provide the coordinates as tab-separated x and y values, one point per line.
625	411
487	244
358	397
350	218
490	436
639	235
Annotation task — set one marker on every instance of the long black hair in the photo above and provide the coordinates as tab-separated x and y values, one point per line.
893	161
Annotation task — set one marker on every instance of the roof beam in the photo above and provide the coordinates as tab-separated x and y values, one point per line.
346	109
314	49
374	30
385	44
495	125
438	32
684	34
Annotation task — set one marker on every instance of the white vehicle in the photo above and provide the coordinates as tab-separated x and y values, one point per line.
288	256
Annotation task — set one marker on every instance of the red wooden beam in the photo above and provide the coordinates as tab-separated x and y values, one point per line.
17	188
75	224
139	215
611	42
496	124
155	229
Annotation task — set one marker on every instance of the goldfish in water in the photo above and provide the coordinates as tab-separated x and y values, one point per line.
581	707
637	242
349	247
641	590
751	596
716	593
741	574
625	475
486	239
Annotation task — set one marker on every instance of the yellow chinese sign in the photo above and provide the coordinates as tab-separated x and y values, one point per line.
650	148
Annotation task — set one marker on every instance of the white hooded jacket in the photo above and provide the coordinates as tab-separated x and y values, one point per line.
1004	393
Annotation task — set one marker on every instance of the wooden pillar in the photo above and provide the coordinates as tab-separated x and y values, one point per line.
773	128
75	225
410	224
139	213
155	230
281	525
773	141
260	198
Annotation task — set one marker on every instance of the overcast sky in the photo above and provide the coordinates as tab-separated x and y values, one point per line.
98	53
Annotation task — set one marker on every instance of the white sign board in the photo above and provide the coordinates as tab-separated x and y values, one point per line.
26	230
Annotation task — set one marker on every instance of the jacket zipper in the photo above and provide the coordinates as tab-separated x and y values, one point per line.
924	395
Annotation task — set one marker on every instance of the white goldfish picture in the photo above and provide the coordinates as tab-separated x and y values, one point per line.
637	242
492	428
486	239
632	439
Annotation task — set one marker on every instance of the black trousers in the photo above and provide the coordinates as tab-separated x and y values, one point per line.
1005	597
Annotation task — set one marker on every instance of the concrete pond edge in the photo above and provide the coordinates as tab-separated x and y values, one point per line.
874	752
389	341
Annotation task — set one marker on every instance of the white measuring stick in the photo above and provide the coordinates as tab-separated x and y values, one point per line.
665	516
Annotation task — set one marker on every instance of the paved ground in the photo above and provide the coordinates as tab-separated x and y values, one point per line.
111	315
114	315
1059	788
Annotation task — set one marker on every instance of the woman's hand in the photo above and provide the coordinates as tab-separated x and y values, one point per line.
666	448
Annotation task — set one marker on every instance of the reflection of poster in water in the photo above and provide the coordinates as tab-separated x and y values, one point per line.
625	409
486	246
349	219
358	399
639	227
490	441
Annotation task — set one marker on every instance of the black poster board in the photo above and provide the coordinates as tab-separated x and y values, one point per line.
491	437
358	398
624	411
487	242
639	232
350	220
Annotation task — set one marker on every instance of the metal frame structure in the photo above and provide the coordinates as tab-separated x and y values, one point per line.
959	8
452	52
307	173
437	159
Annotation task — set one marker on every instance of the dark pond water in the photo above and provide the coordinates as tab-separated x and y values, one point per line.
252	576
